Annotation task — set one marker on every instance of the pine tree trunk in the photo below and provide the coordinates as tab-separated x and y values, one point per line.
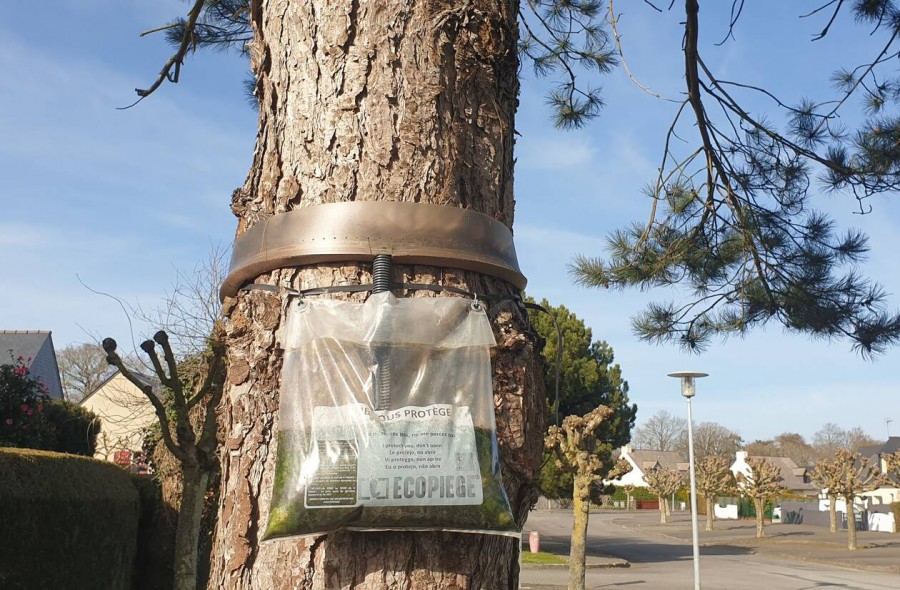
759	505
851	526
581	509
663	516
379	100
710	513
832	513
187	532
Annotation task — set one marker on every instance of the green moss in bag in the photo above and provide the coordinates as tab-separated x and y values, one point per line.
387	420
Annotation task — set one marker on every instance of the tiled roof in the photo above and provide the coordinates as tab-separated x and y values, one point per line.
36	349
24	343
647	459
873	451
791	475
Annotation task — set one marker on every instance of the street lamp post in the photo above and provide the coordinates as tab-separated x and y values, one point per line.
688	391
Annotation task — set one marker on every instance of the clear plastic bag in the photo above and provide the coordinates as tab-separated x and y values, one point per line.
386	420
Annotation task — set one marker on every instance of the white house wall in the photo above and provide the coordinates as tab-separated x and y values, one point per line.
124	414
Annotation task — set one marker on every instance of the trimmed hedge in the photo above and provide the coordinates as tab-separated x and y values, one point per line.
639	493
154	567
76	427
68	522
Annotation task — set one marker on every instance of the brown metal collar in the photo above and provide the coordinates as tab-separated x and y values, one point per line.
412	233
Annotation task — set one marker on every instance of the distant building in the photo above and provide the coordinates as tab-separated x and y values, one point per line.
125	414
37	352
875	454
644	461
794	479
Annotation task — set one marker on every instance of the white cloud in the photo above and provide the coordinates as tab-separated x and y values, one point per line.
22	236
556	152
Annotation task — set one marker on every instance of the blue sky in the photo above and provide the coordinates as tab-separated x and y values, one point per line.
118	200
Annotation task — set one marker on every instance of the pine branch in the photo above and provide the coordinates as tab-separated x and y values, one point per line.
172	68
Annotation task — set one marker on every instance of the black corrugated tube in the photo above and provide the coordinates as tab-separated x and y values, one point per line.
381	273
381	282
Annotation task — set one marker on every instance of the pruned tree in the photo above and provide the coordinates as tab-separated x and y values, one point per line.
848	476
664	482
82	368
713	478
763	483
579	451
891	466
195	450
827	474
663	431
629	496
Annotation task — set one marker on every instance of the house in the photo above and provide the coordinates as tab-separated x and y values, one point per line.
37	352
642	461
794	479
875	454
125	414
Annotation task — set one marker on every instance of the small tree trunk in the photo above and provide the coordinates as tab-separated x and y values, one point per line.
832	513
759	505
187	533
851	526
663	517
581	510
710	513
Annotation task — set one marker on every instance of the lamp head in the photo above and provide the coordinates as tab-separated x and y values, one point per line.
687	381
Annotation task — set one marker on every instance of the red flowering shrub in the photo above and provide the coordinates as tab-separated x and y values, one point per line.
23	399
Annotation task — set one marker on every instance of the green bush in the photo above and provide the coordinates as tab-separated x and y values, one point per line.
895	508
639	493
68	522
23	400
555	483
154	567
76	427
746	508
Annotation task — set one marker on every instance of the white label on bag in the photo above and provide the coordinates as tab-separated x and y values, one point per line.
409	456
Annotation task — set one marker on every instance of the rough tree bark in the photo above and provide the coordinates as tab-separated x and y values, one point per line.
581	509
759	506
832	512
373	100
852	544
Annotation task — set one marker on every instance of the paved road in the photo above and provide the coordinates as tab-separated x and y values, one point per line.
661	557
